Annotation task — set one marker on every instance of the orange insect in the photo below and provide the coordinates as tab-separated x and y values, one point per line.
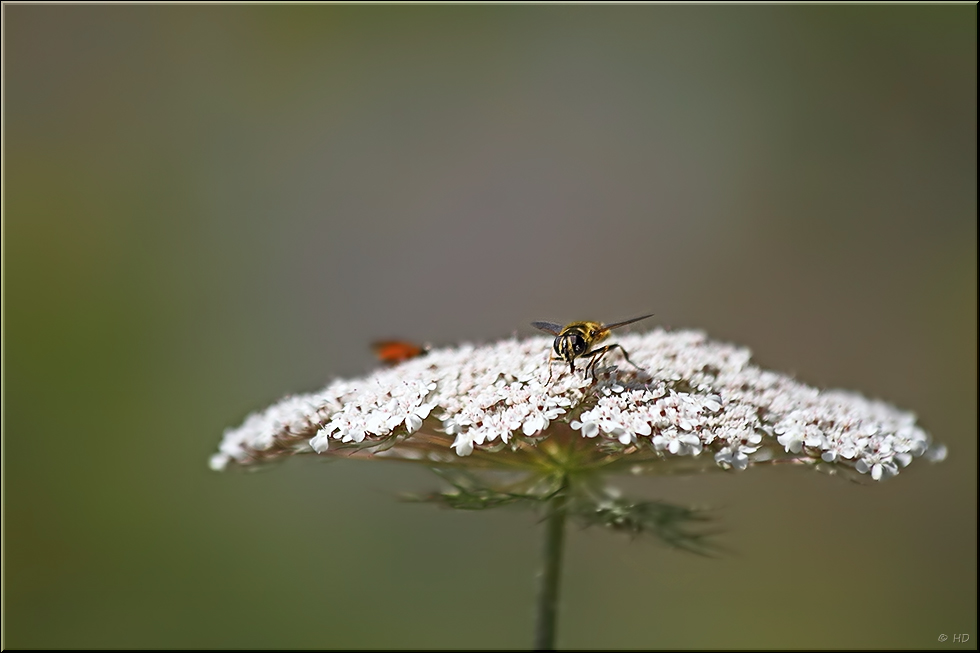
393	352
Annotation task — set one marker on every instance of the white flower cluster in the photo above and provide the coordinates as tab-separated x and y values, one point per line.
694	398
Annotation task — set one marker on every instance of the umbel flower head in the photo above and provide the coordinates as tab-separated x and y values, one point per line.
503	430
695	404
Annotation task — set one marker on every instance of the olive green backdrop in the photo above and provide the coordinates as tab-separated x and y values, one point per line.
206	208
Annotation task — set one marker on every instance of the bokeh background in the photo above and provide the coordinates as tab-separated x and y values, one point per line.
206	208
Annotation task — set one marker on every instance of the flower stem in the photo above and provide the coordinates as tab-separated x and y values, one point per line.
554	537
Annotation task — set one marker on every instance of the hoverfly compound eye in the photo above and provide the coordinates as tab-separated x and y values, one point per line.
578	345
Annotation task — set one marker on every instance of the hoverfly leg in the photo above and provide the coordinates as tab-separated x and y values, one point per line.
551	369
598	354
627	357
594	358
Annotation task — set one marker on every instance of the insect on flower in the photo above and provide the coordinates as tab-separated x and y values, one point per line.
576	340
393	352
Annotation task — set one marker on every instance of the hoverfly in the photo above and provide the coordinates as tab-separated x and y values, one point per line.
576	340
393	352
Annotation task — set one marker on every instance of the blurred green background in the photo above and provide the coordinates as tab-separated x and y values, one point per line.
207	208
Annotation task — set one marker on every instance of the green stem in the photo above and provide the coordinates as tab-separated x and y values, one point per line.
547	608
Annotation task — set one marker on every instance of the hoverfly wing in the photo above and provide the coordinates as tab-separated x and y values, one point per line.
608	327
548	327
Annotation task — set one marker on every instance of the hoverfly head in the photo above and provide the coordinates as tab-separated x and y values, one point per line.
569	346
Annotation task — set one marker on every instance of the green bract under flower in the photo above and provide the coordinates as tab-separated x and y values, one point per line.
695	404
